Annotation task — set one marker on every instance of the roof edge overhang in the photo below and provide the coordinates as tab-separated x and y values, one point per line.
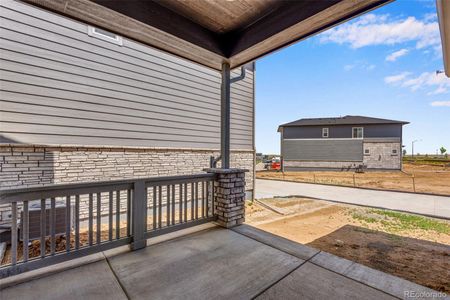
443	10
208	49
352	124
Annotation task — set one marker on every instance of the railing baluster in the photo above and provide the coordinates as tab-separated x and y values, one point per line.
185	202
77	222
173	204
13	233
26	230
128	212
180	203
192	201
117	214
99	218
168	205
52	226
159	206
207	198
91	219
213	193
67	223
196	200
203	199
146	210
110	216
43	226
154	208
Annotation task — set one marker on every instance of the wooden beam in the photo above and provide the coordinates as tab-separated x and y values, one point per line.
317	22
157	16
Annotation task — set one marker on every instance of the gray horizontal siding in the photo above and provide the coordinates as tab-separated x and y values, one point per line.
322	150
61	86
343	131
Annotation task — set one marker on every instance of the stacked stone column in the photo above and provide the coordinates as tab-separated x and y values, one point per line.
229	196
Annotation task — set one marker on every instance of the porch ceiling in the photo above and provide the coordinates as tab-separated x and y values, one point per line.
211	32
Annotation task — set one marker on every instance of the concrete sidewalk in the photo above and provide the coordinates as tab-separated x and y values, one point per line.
438	206
218	263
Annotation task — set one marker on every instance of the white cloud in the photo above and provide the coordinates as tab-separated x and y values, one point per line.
440	103
360	65
393	56
439	82
348	67
396	78
439	90
374	29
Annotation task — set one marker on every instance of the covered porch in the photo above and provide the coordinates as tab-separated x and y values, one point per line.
183	236
210	262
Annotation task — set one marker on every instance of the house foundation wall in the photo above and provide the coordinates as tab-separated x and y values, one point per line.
298	165
31	165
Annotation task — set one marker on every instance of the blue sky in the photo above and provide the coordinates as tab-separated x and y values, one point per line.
381	64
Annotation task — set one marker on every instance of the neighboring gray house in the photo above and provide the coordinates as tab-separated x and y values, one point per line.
79	104
341	143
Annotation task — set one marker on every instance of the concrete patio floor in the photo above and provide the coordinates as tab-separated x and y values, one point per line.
217	263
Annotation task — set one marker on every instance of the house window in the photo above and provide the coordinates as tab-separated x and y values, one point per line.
105	35
324	132
366	151
357	132
394	152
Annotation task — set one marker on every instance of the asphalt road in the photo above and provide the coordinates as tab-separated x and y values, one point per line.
438	206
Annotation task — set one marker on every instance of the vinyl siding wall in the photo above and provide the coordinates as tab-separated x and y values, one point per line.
343	131
61	86
322	150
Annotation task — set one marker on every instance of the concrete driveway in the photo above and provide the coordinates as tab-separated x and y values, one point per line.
438	206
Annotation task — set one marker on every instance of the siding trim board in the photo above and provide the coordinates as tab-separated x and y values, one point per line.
61	86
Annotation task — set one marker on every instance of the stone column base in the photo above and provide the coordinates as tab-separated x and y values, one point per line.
229	196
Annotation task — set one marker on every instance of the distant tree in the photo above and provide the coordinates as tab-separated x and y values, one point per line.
443	150
404	152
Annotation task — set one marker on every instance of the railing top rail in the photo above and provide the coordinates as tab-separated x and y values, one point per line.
68	189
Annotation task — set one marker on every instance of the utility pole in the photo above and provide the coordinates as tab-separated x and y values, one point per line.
412	148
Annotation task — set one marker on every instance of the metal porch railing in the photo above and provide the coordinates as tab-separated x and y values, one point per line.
51	224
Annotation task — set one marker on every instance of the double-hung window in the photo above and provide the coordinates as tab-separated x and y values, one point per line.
325	132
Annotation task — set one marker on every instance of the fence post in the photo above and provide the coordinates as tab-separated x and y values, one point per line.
414	183
354	182
138	215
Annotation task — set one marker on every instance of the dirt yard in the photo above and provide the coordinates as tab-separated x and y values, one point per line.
415	177
412	247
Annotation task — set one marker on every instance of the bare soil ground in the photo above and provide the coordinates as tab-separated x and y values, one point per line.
427	178
409	246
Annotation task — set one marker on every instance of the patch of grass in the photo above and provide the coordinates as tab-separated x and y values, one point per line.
363	218
402	221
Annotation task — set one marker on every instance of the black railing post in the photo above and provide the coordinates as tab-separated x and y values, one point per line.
138	215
